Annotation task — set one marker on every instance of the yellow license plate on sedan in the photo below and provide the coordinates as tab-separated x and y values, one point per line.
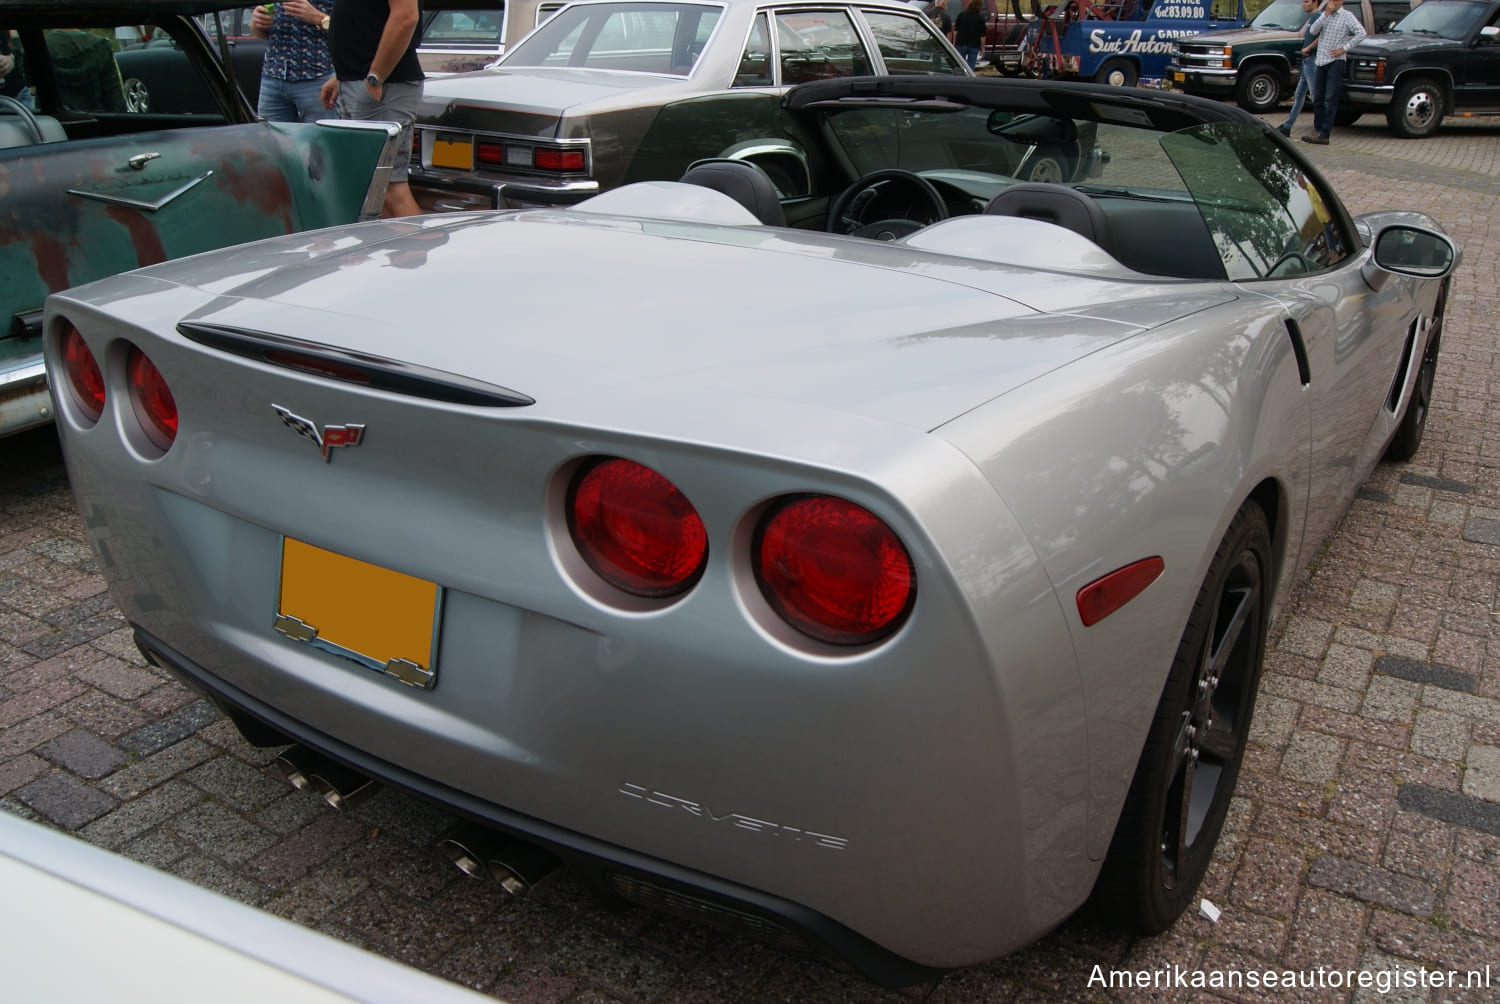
383	619
454	152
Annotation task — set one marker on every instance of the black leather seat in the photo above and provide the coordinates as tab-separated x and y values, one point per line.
744	183
1057	204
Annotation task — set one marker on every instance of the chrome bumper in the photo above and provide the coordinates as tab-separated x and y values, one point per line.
25	401
441	194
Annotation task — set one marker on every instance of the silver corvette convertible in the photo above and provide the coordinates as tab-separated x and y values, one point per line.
886	583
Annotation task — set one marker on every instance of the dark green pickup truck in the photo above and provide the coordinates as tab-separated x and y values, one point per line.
1258	65
124	141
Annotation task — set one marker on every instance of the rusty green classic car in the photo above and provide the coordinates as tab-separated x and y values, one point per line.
92	184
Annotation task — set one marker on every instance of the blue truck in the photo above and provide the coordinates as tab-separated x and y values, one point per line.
1116	43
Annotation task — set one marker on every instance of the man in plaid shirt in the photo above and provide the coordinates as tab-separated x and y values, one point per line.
1336	30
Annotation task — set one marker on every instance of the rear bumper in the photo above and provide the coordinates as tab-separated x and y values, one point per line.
441	194
610	870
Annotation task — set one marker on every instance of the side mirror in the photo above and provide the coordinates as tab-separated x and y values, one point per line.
1415	251
1488	34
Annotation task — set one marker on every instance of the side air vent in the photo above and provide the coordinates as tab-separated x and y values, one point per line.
1299	348
1393	399
353	367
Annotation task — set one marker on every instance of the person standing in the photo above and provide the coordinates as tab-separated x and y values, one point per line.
1309	67
1336	30
296	61
376	76
968	31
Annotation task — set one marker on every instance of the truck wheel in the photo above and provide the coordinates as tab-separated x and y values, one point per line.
1116	73
1259	89
1416	110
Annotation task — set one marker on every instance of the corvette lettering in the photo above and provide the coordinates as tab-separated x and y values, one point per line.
327	438
699	810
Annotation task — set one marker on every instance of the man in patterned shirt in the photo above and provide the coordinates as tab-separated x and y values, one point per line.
296	61
1336	30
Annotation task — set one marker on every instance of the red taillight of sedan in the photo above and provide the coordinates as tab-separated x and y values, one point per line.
635	529
84	376
833	570
152	399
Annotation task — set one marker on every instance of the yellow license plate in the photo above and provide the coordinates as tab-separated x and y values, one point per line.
454	153
1179	77
383	619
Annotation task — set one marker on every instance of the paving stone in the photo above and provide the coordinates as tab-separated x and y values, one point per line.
1420	672
15	773
236	783
152	771
1312	757
136	816
82	753
211	874
120	679
1439	734
1373	885
221	832
1450	807
65	800
159	735
1482	775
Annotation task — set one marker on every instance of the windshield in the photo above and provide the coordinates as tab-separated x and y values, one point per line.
455	29
1286	14
639	37
1267	217
1211	201
1453	19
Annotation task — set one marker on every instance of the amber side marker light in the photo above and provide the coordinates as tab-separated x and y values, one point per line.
636	529
85	379
833	570
152	400
1106	594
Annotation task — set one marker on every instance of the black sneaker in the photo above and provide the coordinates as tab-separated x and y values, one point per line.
1285	130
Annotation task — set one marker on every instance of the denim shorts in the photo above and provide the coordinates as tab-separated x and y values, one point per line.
399	103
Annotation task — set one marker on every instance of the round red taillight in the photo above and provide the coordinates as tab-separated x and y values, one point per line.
84	376
635	529
833	570
154	407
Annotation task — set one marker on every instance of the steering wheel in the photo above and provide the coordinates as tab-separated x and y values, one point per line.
871	196
10	106
1292	263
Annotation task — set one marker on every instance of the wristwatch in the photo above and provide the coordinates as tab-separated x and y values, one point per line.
327	20
373	80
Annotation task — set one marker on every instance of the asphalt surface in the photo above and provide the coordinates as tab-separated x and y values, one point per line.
1365	836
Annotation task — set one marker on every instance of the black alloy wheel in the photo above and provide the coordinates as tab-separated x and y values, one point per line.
1185	779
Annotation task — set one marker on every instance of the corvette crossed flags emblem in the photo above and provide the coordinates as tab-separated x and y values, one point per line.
329	437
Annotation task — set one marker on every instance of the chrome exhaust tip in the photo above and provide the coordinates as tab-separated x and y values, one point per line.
469	847
340	786
518	866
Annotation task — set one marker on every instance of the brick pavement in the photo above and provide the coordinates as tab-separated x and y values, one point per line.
1366	832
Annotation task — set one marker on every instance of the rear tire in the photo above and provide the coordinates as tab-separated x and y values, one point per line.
1117	73
1186	775
1408	435
1259	89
